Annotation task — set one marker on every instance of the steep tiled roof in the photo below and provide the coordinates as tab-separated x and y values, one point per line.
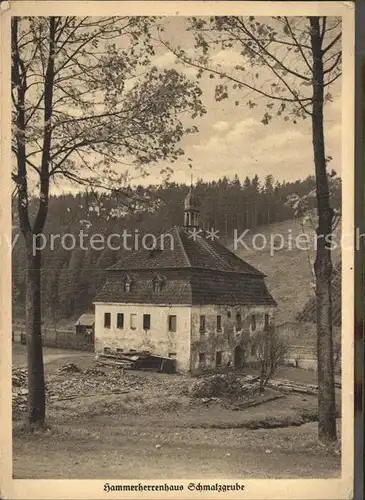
197	287
200	288
229	289
196	272
309	315
174	290
182	252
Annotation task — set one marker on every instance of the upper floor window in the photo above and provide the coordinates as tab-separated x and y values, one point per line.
202	324
120	320
133	321
238	322
219	323
172	323
146	322
107	320
253	322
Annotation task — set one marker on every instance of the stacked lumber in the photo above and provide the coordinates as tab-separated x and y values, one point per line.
123	360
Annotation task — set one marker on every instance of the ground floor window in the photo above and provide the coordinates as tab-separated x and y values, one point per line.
218	358
201	358
107	320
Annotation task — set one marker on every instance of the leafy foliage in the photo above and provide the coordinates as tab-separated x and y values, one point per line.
93	103
274	61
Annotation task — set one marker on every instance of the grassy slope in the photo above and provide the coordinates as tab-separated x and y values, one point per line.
288	270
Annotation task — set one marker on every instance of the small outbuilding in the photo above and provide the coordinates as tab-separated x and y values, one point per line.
85	327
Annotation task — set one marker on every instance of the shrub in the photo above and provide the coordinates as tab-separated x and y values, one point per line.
271	351
220	385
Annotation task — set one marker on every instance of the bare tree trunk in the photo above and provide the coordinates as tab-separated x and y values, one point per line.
264	363
323	263
36	385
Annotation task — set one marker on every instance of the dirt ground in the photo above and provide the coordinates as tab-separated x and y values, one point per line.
146	425
54	357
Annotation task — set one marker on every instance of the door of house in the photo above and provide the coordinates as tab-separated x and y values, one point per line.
239	357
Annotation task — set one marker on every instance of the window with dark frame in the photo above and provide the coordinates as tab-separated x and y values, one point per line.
229	314
202	358
146	322
172	323
218	358
253	322
202	324
266	326
219	323
120	320
107	320
238	322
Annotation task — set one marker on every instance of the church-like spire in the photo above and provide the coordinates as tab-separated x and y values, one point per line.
191	207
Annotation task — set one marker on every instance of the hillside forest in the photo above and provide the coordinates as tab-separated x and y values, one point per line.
72	278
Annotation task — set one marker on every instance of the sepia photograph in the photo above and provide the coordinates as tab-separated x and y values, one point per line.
177	232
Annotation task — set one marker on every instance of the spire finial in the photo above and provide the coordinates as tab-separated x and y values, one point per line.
191	204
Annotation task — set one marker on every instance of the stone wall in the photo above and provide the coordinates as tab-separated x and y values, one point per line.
231	343
302	340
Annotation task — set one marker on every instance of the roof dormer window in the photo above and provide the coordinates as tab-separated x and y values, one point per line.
127	283
158	282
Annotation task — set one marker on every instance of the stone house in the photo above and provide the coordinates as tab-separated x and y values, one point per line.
189	298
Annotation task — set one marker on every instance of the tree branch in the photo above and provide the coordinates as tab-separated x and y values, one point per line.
47	138
332	44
